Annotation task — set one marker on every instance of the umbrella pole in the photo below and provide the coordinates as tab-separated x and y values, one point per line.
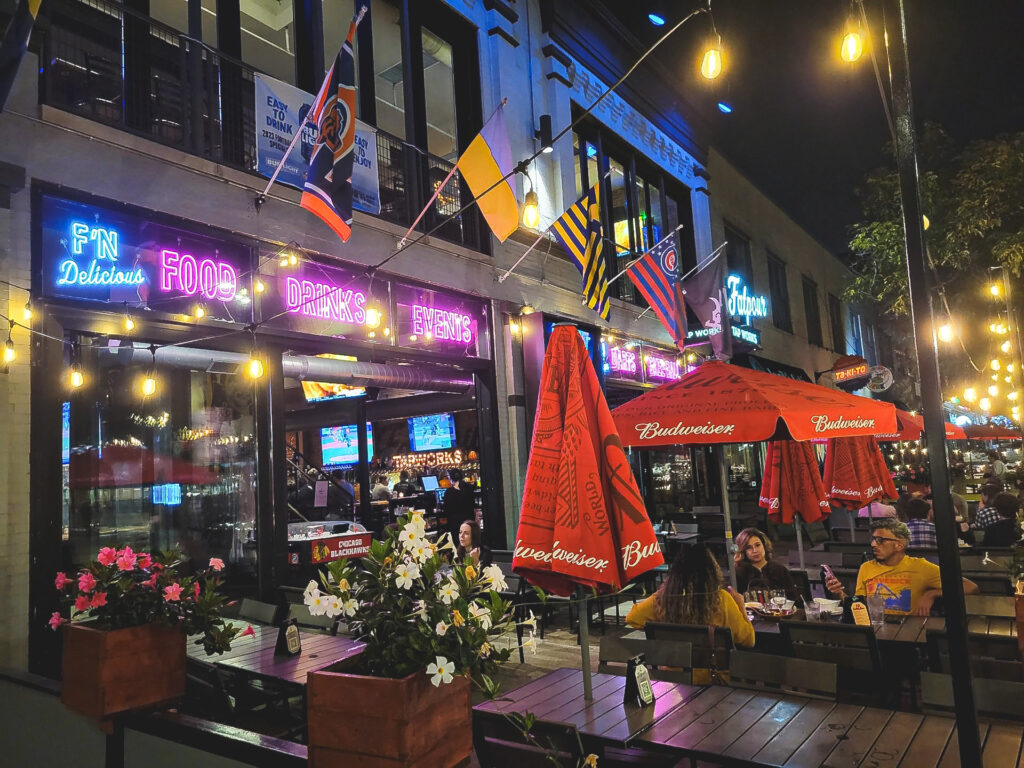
724	472
799	540
583	616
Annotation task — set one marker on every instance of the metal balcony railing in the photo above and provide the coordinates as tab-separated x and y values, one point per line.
111	64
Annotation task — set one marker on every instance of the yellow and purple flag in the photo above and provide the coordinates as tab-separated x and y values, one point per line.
14	43
485	163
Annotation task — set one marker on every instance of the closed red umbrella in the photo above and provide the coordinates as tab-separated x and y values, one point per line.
990	432
583	520
129	465
792	483
856	473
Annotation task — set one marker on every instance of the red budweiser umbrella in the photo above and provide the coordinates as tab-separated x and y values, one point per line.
856	473
792	483
910	428
583	520
720	403
990	432
953	432
127	465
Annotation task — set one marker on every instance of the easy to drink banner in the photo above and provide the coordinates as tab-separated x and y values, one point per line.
280	109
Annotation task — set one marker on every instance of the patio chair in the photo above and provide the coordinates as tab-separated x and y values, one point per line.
254	610
803	584
517	595
701	649
854	651
996	584
992	657
763	671
1003	699
500	744
306	620
667	659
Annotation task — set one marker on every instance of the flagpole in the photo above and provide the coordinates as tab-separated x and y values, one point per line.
442	185
262	197
704	263
510	270
634	261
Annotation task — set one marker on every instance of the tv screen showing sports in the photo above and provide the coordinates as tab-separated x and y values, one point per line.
432	433
319	391
339	446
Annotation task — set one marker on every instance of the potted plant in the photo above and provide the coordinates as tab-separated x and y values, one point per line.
430	627
124	645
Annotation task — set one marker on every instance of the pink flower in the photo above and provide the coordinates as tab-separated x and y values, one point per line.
196	590
145	560
107	556
247	632
172	593
82	603
86	582
99	599
56	620
151	581
126	559
217	564
61	580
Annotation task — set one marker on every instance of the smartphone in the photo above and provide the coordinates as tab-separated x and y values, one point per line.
828	572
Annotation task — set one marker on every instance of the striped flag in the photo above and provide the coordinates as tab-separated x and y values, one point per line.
579	232
656	276
15	41
328	188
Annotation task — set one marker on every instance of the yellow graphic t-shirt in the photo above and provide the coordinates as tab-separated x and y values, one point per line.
902	584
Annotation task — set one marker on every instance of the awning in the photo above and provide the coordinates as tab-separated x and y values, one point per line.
763	364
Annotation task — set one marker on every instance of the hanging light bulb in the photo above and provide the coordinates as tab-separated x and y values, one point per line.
1007	379
1005	347
945	332
970	395
985	404
513	327
75	377
711	63
429	336
284	261
995	377
994	364
9	353
129	324
993	390
1010	367
373	316
531	213
258	286
852	46
994	289
27	312
387	331
254	367
292	259
199	312
149	381
1013	395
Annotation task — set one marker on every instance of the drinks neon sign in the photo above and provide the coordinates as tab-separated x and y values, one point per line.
443	324
183	273
742	305
312	298
102	269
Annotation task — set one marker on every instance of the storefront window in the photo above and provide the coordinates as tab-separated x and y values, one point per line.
745	463
268	37
671	481
174	470
389	71
439	84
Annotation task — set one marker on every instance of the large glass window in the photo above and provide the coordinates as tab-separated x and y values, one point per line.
439	85
812	312
835	318
268	37
855	341
737	253
388	68
870	352
174	470
779	290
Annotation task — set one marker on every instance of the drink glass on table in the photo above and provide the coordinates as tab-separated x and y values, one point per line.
778	597
876	610
812	611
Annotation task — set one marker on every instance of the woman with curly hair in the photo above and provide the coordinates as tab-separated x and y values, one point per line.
755	568
692	594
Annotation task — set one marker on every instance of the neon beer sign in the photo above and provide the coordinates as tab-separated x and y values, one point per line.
313	298
184	273
662	368
101	270
443	324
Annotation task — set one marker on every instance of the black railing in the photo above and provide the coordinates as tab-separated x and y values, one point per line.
118	67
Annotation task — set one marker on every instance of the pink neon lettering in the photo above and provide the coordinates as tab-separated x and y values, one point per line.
181	273
662	369
622	360
323	300
444	324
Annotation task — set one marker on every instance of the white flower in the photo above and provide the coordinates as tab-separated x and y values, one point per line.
441	629
409	536
416	520
349	607
441	671
531	643
421	551
493	574
445	542
420	608
311	588
317	604
333	607
404	574
449	592
531	622
481	614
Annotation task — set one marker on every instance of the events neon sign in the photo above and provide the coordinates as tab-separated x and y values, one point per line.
102	269
185	274
743	305
444	324
312	298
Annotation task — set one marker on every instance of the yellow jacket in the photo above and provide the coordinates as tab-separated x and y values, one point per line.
729	615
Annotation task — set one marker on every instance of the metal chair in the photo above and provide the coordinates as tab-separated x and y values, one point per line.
762	671
992	657
500	743
306	620
1003	699
853	649
667	659
704	654
254	610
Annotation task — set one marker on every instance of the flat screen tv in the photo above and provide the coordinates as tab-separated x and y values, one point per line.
432	433
339	446
319	391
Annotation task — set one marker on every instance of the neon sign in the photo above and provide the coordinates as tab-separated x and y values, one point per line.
663	368
312	298
851	372
168	494
185	274
742	305
444	324
102	269
623	360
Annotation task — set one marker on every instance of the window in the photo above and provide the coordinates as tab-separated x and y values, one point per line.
812	312
388	67
268	37
780	293
855	343
870	352
884	349
737	253
835	318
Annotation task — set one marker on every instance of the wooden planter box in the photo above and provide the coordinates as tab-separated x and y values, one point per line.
377	722
107	672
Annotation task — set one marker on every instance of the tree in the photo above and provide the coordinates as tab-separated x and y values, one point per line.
974	200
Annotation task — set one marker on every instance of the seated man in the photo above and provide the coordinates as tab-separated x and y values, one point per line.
919	521
910	584
1003	532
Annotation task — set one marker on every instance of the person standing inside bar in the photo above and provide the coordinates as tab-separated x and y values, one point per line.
458	504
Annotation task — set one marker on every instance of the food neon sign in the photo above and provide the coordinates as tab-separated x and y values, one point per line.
185	274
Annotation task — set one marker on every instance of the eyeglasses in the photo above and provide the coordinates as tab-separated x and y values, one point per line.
880	539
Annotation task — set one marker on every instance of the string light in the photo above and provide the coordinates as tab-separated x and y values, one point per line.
985	404
993	391
199	312
994	289
9	352
149	381
259	286
994	364
531	211
970	395
254	369
75	377
711	62
373	316
1005	347
27	312
945	332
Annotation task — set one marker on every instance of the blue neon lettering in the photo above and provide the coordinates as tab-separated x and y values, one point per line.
95	275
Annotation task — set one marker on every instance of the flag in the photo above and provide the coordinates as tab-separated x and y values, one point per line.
656	276
705	294
486	163
579	232
14	43
328	188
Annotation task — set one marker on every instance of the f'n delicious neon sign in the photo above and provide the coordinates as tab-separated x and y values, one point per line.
314	298
101	270
443	324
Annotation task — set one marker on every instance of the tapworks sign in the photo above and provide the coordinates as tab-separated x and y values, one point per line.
98	254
